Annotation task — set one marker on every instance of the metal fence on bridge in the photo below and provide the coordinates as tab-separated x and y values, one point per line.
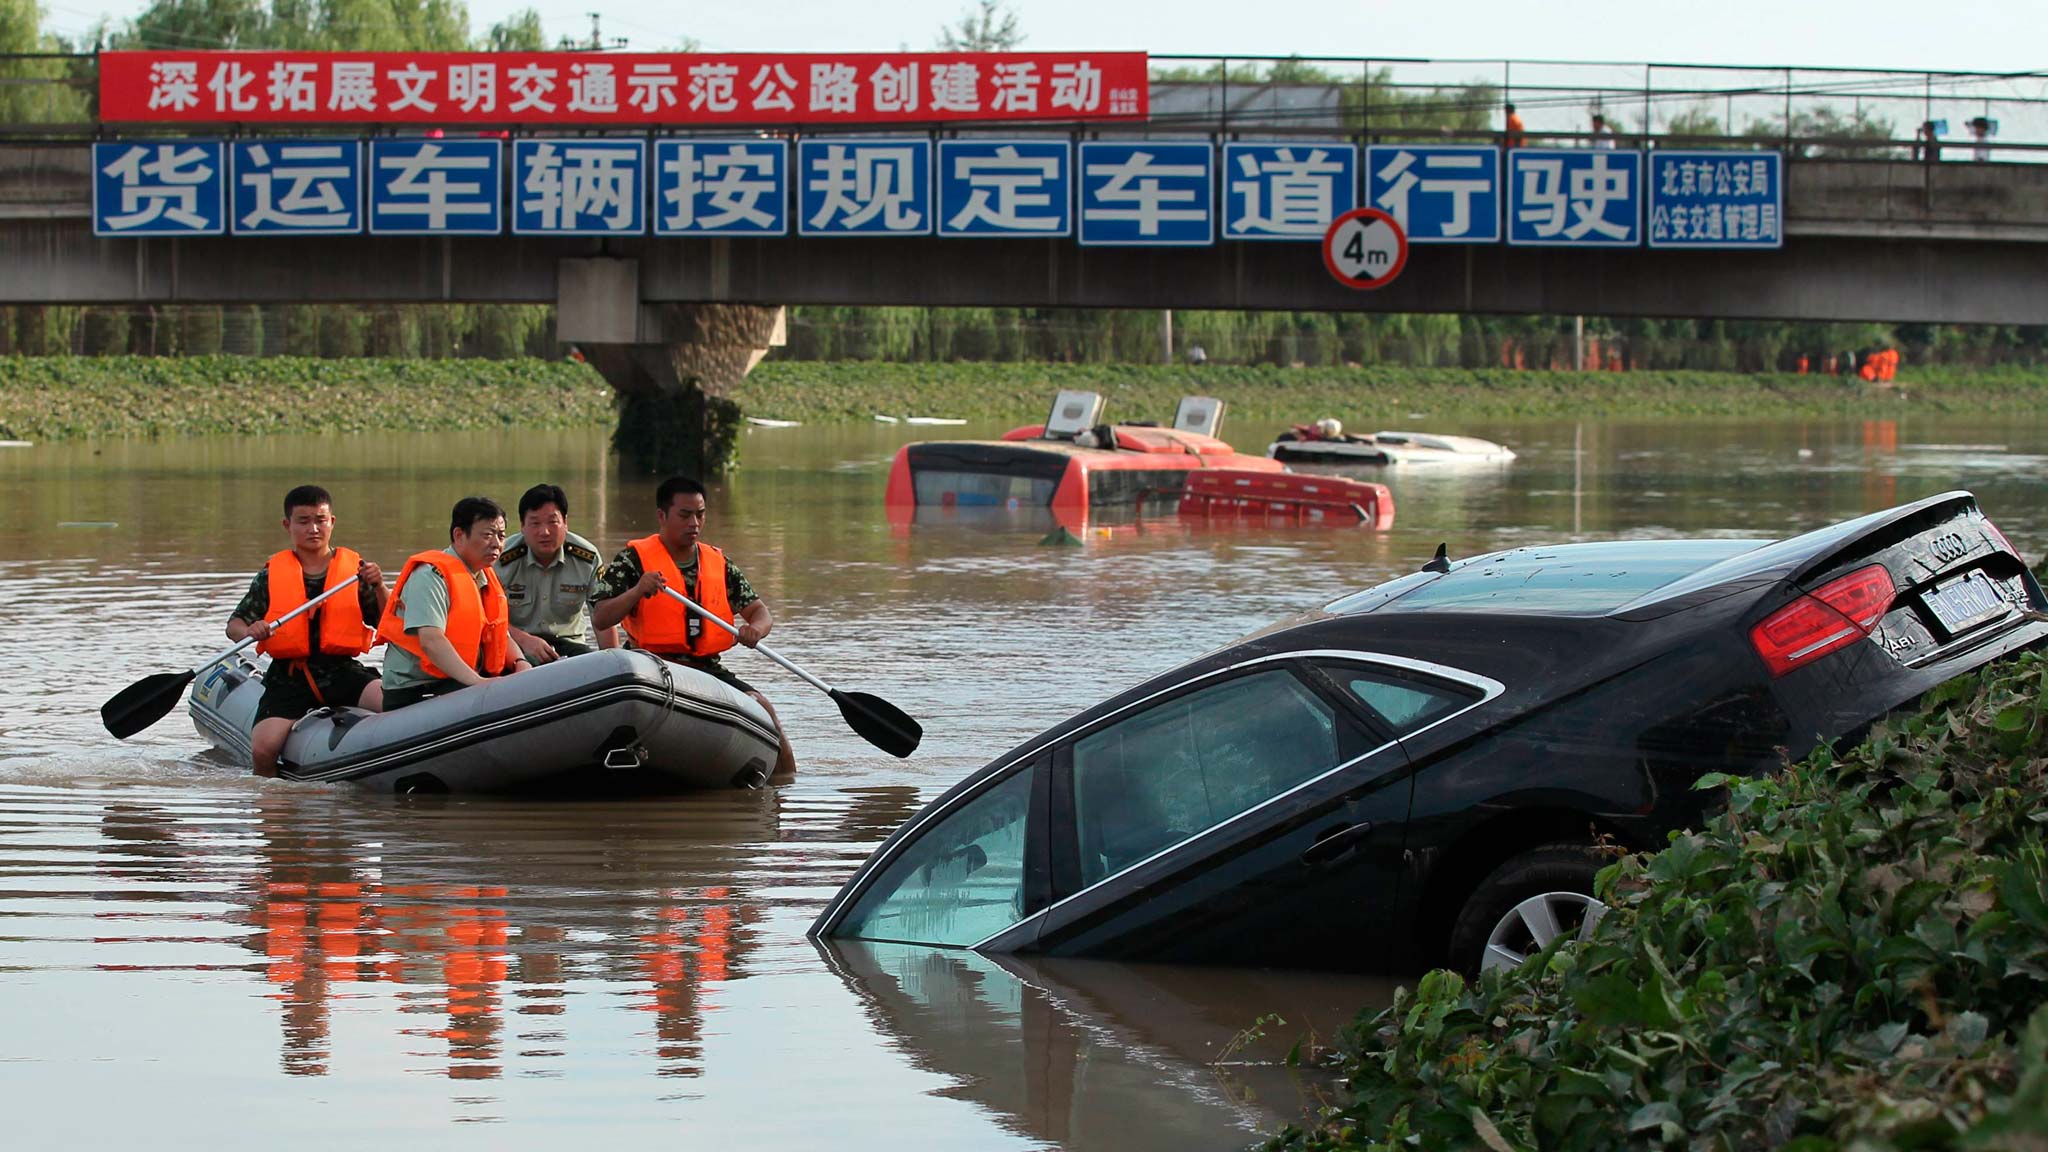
1848	113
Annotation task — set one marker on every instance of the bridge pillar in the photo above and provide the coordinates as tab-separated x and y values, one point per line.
671	365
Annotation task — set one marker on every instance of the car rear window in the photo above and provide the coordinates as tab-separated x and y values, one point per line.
1572	579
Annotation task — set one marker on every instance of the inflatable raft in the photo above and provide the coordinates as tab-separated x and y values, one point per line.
611	722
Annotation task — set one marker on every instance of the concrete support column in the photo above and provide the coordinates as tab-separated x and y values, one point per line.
671	365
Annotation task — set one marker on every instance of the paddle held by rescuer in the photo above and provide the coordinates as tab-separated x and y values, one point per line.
628	592
548	572
447	623
312	658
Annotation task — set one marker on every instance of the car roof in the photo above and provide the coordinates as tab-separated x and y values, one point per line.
1552	580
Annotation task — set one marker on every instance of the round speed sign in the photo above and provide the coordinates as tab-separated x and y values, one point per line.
1365	248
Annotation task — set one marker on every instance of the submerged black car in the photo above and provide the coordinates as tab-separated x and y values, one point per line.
1420	773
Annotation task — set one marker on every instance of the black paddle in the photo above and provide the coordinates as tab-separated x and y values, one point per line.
872	718
147	700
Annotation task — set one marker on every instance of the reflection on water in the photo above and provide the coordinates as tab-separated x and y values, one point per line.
229	961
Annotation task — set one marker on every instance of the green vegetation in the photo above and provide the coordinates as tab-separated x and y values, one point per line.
821	392
1854	955
66	398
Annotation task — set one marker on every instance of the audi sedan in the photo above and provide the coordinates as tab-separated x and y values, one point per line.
1426	772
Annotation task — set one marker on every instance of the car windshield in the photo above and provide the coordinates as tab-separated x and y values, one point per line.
1569	579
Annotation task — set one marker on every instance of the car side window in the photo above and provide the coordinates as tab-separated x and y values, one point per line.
960	882
1151	780
1405	704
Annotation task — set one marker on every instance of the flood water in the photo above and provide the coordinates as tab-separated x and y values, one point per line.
192	956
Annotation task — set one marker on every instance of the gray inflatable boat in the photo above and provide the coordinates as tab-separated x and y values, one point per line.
611	722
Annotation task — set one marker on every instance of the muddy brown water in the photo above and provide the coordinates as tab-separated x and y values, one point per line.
190	956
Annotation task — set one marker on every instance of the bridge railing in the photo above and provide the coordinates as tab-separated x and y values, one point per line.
1871	113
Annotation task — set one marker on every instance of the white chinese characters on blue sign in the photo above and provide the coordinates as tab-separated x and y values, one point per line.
864	187
1587	198
1287	191
298	187
1147	194
579	187
1440	193
1716	200
721	187
436	187
1005	188
162	188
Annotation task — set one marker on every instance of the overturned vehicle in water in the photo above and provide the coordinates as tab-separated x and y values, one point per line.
1424	772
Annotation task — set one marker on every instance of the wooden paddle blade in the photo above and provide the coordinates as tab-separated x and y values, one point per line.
143	703
879	722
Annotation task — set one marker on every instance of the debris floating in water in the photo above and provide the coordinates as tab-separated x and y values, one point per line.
88	523
765	422
17	444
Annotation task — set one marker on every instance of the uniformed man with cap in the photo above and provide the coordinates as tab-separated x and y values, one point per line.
548	572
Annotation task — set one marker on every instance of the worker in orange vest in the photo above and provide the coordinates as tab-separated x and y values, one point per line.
1513	137
313	658
628	592
448	624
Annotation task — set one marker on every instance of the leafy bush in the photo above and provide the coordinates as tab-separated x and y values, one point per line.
63	398
1854	955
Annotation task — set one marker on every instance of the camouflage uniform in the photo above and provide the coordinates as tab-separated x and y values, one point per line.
292	688
619	576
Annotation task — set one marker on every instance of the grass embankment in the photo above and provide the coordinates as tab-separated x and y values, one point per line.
60	398
817	392
1855	955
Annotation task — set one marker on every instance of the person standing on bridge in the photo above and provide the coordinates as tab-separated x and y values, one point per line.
548	572
313	658
629	592
1603	133
1515	135
447	623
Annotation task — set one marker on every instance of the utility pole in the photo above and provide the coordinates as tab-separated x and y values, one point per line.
1166	336
597	41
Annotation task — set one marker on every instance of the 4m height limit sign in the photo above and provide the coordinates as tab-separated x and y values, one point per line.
1365	248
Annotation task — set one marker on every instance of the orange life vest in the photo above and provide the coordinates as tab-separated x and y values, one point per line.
343	631
660	624
478	624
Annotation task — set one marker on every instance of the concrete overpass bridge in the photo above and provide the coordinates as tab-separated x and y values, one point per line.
1881	239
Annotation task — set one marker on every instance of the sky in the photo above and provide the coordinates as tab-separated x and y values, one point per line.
1982	35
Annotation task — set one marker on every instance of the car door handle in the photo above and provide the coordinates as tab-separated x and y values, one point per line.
1336	843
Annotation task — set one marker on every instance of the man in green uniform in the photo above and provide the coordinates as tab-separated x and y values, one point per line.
627	583
548	572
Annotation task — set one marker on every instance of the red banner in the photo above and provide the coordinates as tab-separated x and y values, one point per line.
625	88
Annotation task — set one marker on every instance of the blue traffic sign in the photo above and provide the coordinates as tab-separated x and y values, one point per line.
1717	200
721	187
579	187
1146	194
1440	193
297	187
1575	198
1287	191
436	187
864	187
1006	188
159	188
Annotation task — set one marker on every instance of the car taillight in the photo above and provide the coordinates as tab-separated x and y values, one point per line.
1827	619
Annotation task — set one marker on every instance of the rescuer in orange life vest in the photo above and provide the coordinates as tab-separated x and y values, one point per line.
313	658
448	624
628	592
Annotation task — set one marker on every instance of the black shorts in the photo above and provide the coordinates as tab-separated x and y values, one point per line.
712	668
564	646
396	698
292	688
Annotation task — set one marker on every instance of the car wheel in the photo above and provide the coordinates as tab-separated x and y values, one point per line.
1524	905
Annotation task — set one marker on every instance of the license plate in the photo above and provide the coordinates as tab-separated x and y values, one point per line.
1964	603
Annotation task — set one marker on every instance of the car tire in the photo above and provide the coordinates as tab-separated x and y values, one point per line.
1523	904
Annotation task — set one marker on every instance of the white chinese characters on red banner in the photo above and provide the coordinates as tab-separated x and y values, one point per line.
618	87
